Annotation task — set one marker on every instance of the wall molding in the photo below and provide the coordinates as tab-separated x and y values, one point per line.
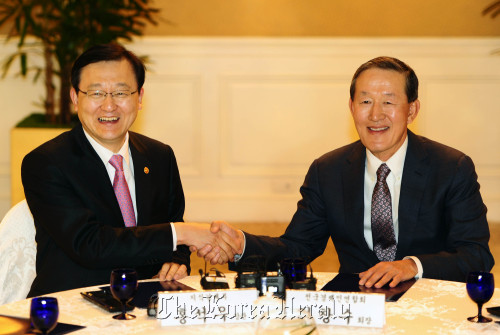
315	47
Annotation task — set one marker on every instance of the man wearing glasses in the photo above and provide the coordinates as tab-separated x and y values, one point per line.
104	197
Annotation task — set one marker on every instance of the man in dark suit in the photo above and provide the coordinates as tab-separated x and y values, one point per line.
435	220
93	215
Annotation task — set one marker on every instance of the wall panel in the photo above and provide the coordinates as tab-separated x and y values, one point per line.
271	125
171	114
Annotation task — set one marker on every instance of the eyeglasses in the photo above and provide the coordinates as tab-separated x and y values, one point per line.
101	95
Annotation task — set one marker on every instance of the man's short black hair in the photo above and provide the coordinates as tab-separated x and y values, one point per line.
107	52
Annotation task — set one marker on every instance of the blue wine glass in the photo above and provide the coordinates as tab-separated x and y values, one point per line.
123	285
294	270
44	312
480	287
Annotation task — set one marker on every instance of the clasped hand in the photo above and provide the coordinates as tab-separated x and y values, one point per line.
230	242
217	243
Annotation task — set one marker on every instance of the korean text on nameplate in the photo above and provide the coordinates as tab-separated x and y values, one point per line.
207	307
338	308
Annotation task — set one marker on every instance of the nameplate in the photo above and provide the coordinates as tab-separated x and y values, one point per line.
207	307
242	305
337	308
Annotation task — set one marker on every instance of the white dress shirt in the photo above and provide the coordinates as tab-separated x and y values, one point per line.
395	164
128	170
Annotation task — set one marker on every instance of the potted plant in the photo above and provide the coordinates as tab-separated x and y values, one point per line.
493	9
58	31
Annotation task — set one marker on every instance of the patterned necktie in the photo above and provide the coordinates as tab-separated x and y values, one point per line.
384	240
122	192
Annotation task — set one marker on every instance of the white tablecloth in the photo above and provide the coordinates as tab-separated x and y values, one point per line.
429	307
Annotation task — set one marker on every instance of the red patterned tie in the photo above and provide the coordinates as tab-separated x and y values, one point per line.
384	240
122	192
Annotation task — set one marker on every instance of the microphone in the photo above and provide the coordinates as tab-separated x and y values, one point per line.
209	282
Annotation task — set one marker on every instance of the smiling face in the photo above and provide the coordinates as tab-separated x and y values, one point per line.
107	121
381	111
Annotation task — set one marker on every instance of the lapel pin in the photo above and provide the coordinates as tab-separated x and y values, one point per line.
146	170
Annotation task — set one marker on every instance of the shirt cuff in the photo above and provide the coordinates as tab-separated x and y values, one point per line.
174	237
420	269
237	257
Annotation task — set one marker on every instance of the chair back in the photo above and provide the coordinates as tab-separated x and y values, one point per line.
17	253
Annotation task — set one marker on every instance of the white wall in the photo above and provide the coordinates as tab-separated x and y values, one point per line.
247	116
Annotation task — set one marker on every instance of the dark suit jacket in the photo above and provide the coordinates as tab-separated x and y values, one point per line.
442	218
80	231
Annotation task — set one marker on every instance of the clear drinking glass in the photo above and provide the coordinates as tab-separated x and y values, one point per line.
278	322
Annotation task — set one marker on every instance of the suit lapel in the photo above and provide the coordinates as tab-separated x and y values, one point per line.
353	175
142	180
92	169
415	172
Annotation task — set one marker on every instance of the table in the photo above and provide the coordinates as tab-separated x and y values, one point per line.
429	307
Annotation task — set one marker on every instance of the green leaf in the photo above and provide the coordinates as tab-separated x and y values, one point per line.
24	67
68	27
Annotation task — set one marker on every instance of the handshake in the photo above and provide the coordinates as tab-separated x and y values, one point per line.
217	242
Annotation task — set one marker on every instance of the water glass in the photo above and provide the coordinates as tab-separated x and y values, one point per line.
44	312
